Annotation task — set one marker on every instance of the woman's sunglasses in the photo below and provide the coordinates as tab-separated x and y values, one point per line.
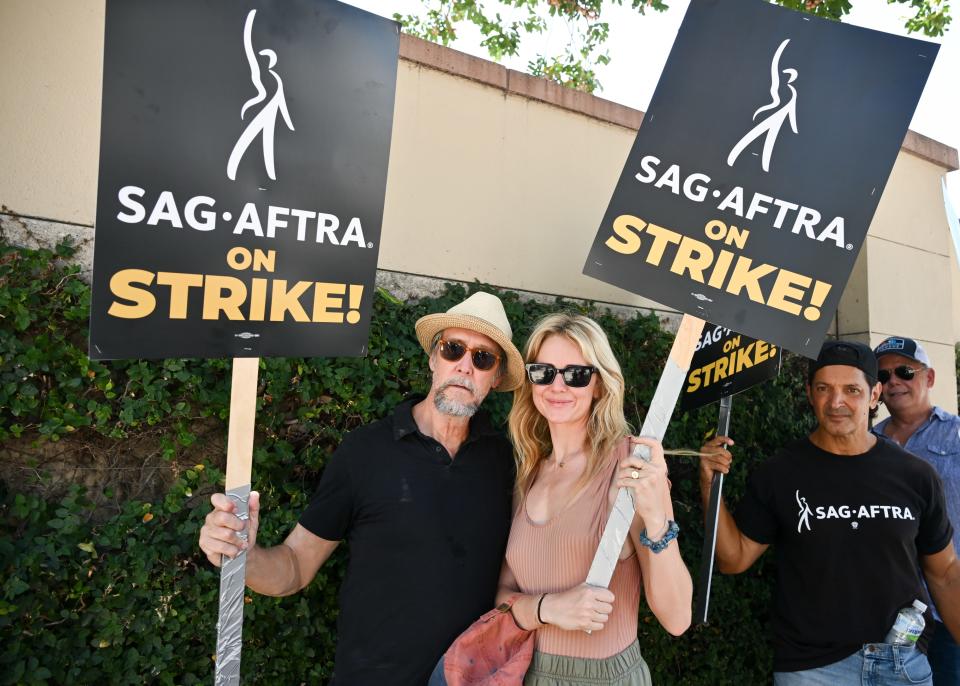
574	375
482	359
903	372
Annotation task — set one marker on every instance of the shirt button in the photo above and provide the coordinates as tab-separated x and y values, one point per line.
437	448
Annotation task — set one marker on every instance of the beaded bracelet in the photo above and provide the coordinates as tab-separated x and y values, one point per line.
656	546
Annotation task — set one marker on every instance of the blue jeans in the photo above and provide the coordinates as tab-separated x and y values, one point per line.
438	678
876	664
944	654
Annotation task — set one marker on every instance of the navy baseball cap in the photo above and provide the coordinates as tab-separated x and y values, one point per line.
907	347
847	353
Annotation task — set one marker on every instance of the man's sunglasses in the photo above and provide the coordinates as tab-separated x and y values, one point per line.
574	375
903	372
482	358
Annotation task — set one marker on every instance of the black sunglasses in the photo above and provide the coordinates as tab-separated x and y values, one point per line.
903	372
482	358
574	375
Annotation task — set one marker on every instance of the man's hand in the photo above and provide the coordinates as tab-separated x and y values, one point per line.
582	608
715	459
219	534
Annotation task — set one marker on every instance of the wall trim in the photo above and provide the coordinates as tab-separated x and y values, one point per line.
511	82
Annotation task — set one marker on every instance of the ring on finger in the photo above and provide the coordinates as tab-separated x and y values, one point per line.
634	474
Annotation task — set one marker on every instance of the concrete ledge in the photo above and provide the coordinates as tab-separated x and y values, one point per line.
42	233
456	63
931	150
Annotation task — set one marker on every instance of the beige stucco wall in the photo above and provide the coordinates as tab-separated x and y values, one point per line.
512	172
52	57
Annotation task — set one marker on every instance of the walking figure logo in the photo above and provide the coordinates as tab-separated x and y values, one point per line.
804	513
770	127
265	121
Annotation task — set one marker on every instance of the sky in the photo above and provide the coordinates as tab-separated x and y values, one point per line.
639	44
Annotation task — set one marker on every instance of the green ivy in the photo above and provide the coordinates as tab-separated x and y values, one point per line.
92	594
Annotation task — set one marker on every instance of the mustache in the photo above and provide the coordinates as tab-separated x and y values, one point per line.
458	381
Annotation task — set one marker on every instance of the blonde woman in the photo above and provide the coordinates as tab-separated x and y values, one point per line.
572	447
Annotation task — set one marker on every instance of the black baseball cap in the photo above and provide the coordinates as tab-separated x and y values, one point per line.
847	353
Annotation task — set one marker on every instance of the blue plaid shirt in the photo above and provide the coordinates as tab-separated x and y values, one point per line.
938	442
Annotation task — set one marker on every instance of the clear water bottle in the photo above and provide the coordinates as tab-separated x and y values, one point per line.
908	626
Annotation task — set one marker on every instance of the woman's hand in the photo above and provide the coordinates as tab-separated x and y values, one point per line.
649	483
582	608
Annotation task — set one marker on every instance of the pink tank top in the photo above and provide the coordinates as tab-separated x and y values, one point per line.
556	555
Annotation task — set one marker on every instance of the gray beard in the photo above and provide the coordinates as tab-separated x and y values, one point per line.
455	408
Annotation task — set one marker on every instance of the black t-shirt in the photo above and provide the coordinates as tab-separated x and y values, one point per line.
427	536
847	531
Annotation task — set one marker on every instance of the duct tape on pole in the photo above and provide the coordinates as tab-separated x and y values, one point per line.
654	426
243	409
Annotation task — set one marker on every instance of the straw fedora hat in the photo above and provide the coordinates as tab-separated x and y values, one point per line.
484	314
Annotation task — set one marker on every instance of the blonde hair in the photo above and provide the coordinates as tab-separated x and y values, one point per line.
606	426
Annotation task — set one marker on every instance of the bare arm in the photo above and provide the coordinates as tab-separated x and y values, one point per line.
666	579
942	571
735	552
277	571
580	608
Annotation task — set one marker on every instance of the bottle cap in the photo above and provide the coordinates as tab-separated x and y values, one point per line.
920	606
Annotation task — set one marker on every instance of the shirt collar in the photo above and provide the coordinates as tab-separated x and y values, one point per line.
941	414
404	423
937	413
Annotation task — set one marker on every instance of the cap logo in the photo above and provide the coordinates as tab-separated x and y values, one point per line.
891	344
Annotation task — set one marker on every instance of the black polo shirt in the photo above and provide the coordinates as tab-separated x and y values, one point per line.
427	535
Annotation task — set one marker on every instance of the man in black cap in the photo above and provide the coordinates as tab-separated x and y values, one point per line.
853	519
932	434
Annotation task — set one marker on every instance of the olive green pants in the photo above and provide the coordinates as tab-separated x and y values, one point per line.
626	668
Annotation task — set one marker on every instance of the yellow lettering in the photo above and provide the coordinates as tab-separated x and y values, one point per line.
324	301
120	286
180	285
284	301
661	239
786	287
744	277
223	294
685	260
628	228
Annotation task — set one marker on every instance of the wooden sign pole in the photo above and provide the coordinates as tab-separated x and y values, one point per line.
654	426
243	412
710	523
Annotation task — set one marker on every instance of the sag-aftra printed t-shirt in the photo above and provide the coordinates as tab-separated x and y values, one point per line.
847	531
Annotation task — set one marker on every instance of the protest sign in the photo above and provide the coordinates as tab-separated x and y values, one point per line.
243	163
758	167
724	363
243	166
751	184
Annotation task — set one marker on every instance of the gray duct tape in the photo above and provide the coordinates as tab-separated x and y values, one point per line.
621	516
230	621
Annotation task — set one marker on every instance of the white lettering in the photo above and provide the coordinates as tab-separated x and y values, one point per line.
670	178
249	220
165	210
137	212
209	222
648	166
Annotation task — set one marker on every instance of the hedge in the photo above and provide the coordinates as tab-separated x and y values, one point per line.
101	587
